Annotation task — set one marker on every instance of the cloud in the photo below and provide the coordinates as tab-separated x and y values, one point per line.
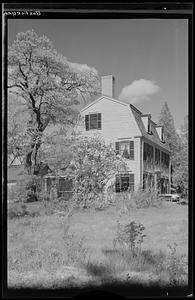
82	67
138	91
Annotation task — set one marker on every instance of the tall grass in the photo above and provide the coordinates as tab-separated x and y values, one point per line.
32	247
147	267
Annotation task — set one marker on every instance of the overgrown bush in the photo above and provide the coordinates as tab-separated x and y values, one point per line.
145	198
25	191
93	163
17	210
56	205
130	236
176	266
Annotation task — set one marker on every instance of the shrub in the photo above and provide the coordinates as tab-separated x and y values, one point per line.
175	266
93	162
26	190
130	236
76	250
145	198
17	210
52	206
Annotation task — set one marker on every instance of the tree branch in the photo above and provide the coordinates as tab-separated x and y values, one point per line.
15	85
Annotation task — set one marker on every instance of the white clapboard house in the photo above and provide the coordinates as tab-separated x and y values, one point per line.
134	135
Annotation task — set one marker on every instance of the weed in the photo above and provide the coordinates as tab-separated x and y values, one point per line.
175	266
75	246
130	236
18	210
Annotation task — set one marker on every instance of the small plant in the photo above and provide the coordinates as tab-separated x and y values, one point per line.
18	210
26	191
175	266
130	236
145	198
76	252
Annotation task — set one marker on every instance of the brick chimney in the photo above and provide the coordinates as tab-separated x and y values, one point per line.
107	85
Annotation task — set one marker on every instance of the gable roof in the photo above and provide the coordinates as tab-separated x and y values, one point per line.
100	98
154	137
137	114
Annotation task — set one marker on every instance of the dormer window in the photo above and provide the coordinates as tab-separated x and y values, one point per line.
149	127
147	123
162	135
93	121
160	131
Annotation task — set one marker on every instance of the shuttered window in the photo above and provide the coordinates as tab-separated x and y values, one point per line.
125	148
131	150
124	182
99	121
93	121
87	122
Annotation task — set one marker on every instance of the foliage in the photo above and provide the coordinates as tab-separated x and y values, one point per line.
180	176
26	190
171	136
48	87
92	164
54	206
175	266
138	199
64	248
179	146
21	210
130	235
76	249
146	198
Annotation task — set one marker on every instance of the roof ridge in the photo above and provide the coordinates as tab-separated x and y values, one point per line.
135	108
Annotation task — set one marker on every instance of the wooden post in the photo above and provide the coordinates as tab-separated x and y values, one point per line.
155	186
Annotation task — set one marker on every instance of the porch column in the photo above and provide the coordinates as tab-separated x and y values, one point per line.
155	186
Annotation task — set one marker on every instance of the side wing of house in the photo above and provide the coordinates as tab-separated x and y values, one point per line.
114	122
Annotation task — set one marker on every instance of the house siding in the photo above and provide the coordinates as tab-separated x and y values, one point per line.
134	166
117	122
122	122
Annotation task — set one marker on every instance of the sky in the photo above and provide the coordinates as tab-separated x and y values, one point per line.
147	57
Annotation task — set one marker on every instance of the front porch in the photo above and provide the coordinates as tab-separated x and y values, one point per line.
156	181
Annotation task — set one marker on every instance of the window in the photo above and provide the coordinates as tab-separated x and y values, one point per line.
162	136
65	185
126	149
157	156
148	152
124	182
93	121
149	127
165	159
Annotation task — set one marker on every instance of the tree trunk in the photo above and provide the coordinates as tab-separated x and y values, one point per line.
28	162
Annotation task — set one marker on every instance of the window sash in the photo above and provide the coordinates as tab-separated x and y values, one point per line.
65	185
93	121
130	149
124	182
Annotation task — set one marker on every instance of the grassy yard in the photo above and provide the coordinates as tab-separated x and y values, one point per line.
47	251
